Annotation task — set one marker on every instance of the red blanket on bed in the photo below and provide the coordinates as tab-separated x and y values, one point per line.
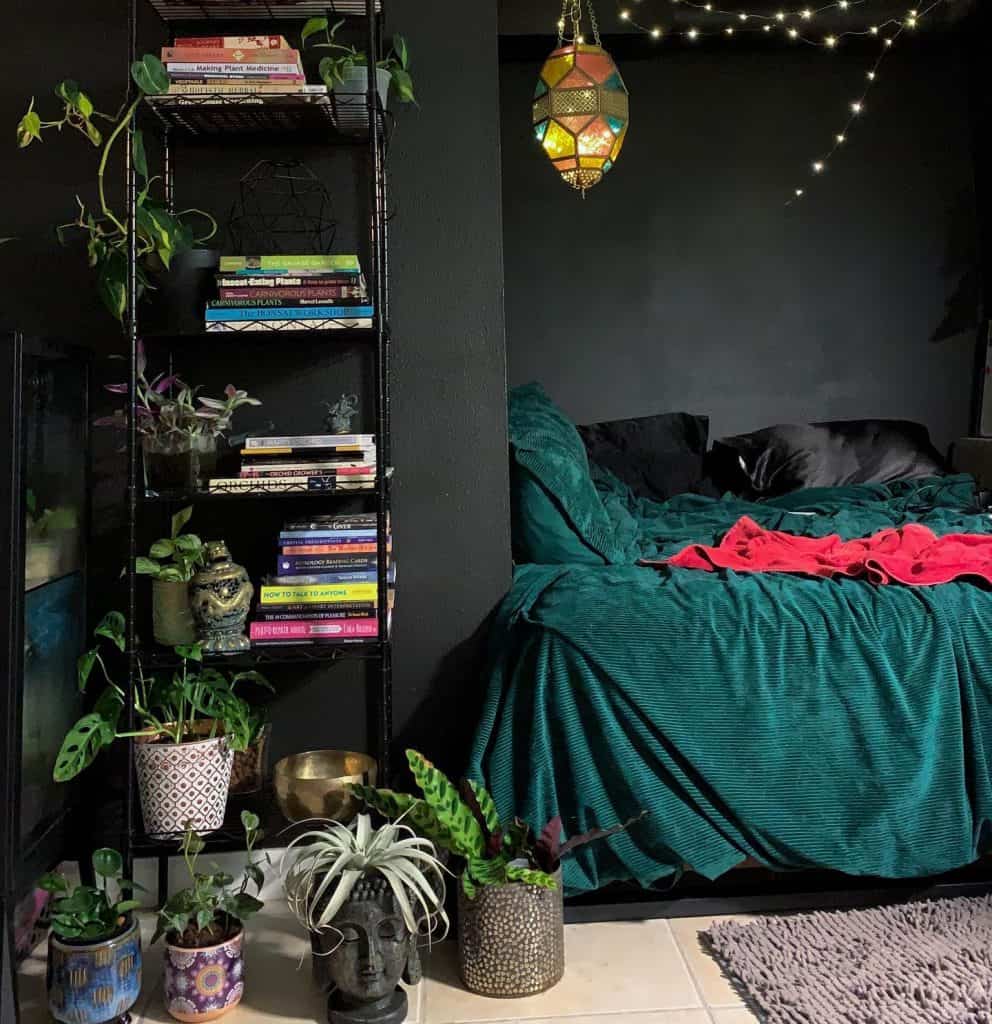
911	554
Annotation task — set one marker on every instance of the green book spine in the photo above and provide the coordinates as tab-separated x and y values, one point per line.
313	261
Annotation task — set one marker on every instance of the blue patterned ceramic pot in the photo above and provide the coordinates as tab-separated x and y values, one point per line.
95	983
204	984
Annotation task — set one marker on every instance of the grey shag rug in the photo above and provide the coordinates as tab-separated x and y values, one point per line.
916	963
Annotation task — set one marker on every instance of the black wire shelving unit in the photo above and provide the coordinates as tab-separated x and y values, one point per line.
230	119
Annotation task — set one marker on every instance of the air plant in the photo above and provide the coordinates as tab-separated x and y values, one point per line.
325	864
165	406
464	820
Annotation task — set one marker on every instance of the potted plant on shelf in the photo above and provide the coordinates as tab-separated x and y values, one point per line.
179	428
203	926
511	935
365	895
345	70
190	723
172	562
94	948
160	234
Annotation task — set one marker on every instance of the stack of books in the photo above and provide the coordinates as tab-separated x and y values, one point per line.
325	590
307	462
289	293
215	66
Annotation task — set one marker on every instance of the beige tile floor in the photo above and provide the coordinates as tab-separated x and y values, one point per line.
650	972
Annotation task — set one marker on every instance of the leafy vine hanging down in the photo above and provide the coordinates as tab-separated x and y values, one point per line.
160	235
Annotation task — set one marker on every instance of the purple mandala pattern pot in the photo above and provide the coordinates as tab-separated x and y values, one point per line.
204	984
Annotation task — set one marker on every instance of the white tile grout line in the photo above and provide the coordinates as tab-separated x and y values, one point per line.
688	970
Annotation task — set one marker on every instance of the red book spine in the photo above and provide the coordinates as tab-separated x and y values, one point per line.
331	549
322	291
321	629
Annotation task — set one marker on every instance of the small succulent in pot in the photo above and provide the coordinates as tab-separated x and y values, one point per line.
94	949
203	926
365	895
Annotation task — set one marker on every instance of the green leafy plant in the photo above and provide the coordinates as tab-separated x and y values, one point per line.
321	867
175	558
464	820
212	907
160	234
43	522
335	68
91	913
191	703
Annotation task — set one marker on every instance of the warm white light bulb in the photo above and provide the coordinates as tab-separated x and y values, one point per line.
742	16
729	31
911	22
707	7
843	5
780	16
817	166
871	76
656	33
624	15
793	33
806	13
766	28
830	42
693	33
856	107
841	139
799	192
888	41
874	30
580	39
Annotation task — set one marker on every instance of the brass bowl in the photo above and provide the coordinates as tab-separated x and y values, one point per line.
314	784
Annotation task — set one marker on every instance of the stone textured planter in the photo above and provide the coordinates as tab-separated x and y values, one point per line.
511	939
204	984
94	983
172	616
183	782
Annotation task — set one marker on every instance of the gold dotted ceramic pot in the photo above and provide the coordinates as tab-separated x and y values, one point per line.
511	939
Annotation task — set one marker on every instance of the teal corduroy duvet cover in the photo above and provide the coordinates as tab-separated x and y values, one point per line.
804	722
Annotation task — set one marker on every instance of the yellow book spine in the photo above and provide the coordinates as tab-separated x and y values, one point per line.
319	594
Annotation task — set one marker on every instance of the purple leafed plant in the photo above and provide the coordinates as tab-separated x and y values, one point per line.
165	406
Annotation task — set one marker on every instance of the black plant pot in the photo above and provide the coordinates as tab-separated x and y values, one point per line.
176	305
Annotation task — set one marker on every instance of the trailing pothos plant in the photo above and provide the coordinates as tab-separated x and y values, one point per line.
160	234
335	67
212	907
91	913
464	821
176	558
194	702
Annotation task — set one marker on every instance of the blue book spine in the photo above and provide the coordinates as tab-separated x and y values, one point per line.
294	565
346	576
289	313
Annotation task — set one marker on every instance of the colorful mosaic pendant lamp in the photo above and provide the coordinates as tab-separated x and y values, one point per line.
581	109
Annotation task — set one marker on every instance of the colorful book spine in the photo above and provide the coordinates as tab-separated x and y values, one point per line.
227	55
260	297
223	87
338	610
223	68
289	483
229	42
342	324
262	470
301	565
288	538
287	312
309	550
308	261
337	577
304	629
345	523
307	280
318	593
312	616
291	441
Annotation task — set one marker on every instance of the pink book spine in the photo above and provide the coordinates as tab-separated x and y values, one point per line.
303	629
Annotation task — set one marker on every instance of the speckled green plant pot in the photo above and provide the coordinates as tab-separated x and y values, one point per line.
511	939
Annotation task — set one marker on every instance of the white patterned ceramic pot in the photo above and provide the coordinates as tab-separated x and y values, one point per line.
183	784
511	939
204	984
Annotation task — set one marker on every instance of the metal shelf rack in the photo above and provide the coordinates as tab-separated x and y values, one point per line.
228	120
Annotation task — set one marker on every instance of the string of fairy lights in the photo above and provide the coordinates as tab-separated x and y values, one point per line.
798	26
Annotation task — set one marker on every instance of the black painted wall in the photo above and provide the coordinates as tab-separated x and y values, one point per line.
682	282
450	512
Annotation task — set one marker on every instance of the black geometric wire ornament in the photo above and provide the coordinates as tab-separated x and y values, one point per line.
282	206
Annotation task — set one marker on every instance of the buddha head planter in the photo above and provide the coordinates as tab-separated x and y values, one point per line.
364	959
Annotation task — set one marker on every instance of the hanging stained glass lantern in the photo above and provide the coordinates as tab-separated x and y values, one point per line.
581	108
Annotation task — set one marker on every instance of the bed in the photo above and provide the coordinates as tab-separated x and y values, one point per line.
801	722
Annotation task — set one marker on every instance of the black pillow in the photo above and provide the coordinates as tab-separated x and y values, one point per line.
656	456
784	458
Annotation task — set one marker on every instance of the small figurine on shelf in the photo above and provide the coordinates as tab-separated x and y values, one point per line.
340	414
220	595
